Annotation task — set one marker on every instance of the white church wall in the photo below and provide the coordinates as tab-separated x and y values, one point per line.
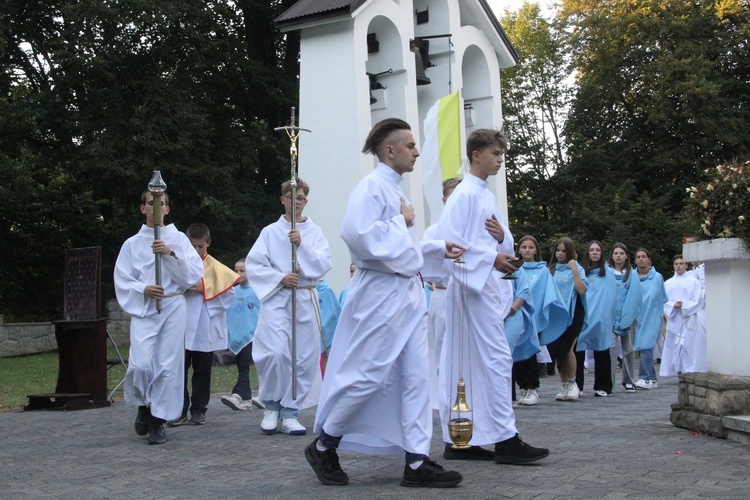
328	107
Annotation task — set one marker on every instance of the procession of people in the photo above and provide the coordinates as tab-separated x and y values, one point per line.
377	364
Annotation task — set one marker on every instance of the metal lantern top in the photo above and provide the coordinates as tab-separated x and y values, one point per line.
157	184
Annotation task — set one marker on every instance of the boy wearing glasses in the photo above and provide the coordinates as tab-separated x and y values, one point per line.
269	270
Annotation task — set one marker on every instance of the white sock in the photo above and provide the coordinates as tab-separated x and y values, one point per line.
415	465
320	447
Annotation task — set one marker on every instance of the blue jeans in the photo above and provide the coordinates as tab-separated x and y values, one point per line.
329	441
284	412
646	370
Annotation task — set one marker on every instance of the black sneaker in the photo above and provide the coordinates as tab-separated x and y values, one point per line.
326	465
198	417
516	451
178	421
156	433
430	475
473	453
141	420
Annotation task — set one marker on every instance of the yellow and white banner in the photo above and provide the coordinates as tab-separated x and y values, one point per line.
441	152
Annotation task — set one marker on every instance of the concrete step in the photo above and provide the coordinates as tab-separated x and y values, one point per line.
738	428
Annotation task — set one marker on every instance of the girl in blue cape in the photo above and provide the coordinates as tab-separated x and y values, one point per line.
550	317
651	317
520	330
629	305
571	281
600	310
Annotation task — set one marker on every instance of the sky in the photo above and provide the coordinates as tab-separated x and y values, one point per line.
500	5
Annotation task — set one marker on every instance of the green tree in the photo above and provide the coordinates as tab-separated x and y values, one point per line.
662	92
535	100
95	95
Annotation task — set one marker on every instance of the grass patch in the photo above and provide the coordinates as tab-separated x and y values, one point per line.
37	374
23	375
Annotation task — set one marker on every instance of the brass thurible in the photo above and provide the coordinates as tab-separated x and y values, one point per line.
460	429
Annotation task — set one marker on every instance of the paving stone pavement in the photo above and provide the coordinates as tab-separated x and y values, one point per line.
617	447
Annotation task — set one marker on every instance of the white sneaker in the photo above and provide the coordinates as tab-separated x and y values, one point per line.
292	426
601	394
517	402
258	403
573	392
653	384
530	398
642	384
235	402
563	394
270	423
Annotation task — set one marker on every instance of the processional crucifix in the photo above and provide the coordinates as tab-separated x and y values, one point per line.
293	132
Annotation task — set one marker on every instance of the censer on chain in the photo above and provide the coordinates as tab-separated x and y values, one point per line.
460	428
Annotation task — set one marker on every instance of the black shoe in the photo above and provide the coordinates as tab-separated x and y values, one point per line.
473	453
515	451
156	433
178	421
326	465
141	420
430	475
198	417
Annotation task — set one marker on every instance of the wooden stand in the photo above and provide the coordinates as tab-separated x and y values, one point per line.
82	372
81	339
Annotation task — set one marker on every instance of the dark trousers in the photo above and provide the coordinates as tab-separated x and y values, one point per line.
201	381
244	359
558	350
602	370
526	373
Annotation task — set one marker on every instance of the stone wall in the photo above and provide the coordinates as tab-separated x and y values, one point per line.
703	399
119	322
17	339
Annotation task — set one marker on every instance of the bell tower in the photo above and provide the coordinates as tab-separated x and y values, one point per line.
365	60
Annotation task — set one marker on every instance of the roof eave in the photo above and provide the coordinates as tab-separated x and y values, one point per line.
313	20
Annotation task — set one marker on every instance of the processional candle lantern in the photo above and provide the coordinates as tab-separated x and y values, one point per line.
157	187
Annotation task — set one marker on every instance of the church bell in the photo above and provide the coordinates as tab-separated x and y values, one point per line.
421	49
375	84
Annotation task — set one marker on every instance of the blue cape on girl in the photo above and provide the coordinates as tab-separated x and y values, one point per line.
551	316
629	302
565	284
651	316
520	329
600	299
